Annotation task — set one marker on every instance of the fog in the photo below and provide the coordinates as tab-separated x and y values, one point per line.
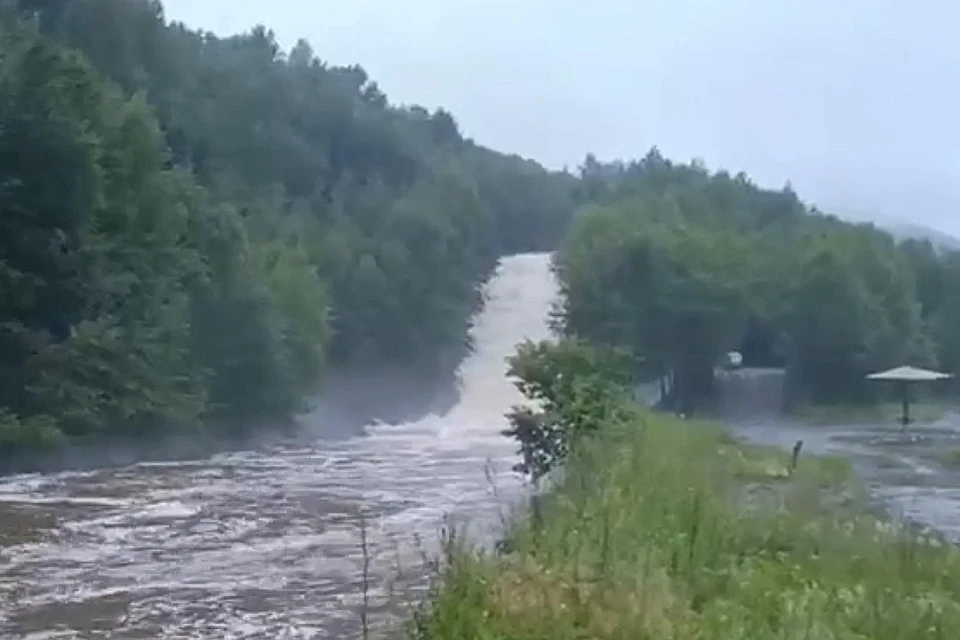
351	399
852	102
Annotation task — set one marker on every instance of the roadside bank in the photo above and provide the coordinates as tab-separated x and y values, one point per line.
663	528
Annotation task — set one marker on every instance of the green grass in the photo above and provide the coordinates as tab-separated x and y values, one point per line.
664	529
882	413
951	458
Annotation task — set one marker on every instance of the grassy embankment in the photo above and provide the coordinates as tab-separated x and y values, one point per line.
950	457
924	412
665	529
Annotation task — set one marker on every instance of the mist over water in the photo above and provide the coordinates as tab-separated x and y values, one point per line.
266	543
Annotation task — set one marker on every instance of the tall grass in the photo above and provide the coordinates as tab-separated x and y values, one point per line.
665	529
885	413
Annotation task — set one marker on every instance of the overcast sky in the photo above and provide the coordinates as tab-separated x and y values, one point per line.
856	102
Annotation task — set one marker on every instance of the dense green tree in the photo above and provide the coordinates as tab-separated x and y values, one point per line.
420	213
577	389
193	227
853	310
681	264
642	278
96	258
938	284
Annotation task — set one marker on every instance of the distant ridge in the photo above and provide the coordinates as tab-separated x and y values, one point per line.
902	230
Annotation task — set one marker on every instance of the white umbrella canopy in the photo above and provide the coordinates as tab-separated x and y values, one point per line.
906	375
909	374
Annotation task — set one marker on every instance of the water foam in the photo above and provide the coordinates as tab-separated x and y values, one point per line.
264	544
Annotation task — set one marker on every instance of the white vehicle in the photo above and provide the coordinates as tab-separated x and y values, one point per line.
734	360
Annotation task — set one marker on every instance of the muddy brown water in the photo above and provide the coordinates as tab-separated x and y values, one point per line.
266	543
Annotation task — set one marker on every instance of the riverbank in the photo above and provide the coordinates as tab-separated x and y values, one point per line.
926	412
350	400
667	529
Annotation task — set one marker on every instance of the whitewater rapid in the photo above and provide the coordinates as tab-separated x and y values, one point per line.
267	543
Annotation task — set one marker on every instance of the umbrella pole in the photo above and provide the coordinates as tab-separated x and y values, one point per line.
905	419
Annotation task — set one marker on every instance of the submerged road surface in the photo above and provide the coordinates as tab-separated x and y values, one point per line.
267	544
916	473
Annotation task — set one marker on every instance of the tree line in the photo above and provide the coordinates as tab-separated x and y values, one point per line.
681	264
195	228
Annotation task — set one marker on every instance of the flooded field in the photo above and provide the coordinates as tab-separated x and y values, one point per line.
914	473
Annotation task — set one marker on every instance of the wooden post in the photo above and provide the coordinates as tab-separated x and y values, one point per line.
795	458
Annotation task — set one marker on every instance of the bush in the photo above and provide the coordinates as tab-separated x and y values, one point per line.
574	387
37	433
662	528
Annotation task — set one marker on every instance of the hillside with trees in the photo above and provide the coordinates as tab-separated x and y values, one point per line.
196	228
681	264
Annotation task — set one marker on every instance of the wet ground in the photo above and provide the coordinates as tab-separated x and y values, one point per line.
915	473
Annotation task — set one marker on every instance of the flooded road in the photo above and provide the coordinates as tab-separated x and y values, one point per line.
267	544
915	474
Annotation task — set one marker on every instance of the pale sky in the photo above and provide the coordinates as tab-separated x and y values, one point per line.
856	102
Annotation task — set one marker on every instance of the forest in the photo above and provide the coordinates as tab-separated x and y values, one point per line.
196	229
680	264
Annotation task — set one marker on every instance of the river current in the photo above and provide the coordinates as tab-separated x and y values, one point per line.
268	543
